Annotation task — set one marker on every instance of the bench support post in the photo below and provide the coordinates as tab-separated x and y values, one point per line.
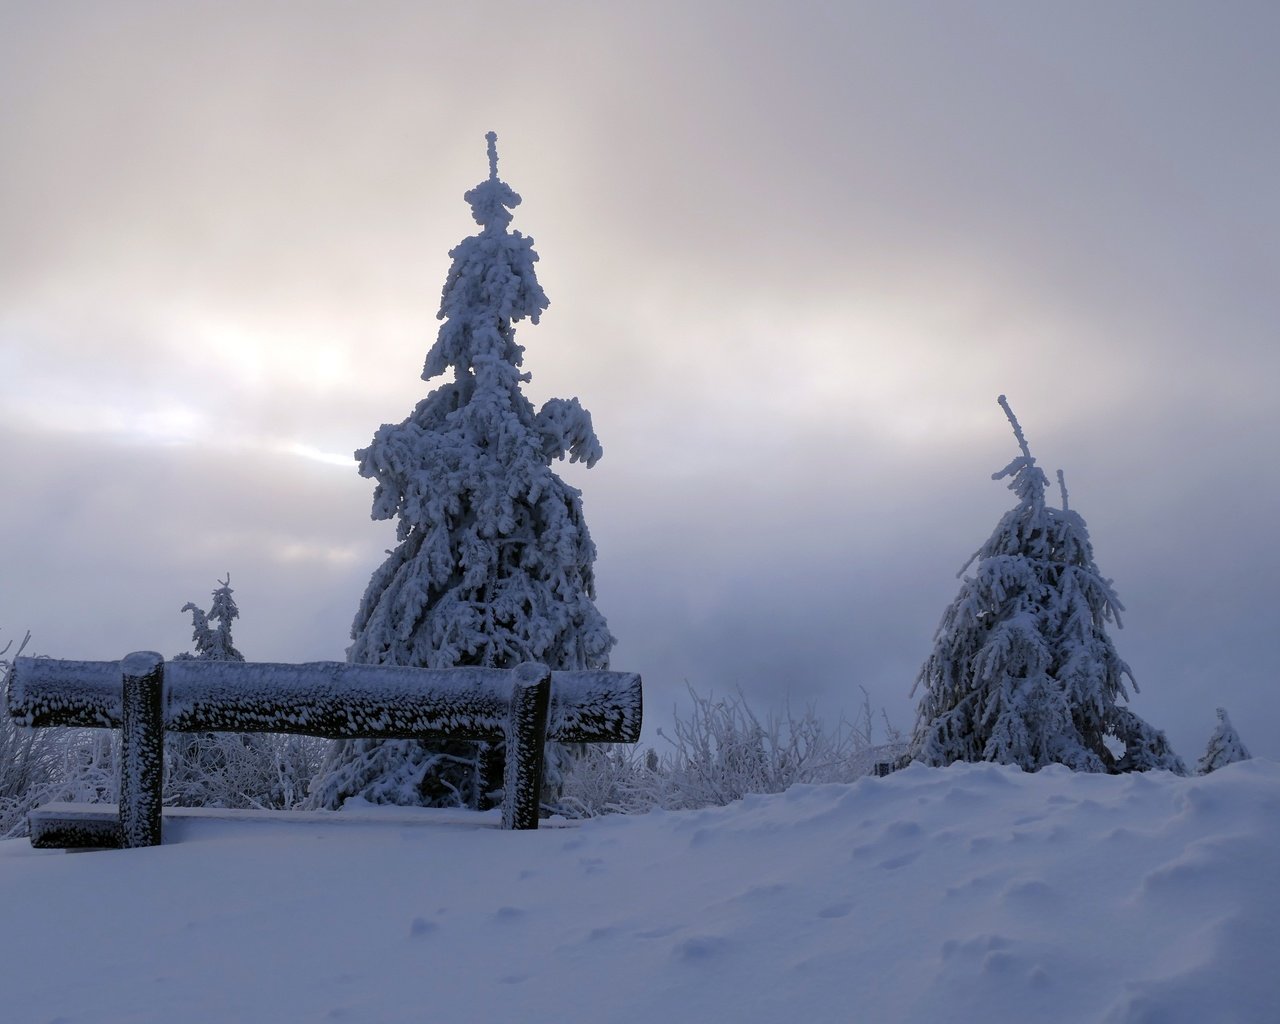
142	749
526	741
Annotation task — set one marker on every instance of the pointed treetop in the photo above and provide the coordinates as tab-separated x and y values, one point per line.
1017	427
1028	480
493	198
1062	486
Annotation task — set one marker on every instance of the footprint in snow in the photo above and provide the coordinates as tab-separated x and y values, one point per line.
601	934
900	861
1003	964
973	946
902	830
836	910
657	933
759	892
700	949
977	884
420	926
507	915
1033	892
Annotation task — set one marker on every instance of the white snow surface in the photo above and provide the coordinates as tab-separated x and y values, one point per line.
968	893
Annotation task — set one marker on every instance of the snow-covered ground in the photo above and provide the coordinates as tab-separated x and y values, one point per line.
969	894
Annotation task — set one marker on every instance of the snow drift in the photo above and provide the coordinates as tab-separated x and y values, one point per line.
970	893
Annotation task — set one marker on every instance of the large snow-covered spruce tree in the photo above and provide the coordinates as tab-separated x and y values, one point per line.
1023	670
494	564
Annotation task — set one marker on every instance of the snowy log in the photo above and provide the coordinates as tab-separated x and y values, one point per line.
143	696
522	777
337	700
329	698
141	749
48	691
595	707
68	826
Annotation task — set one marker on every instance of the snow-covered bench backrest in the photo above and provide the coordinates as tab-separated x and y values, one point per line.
143	695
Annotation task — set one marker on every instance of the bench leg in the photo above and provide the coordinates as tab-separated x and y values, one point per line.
526	741
142	750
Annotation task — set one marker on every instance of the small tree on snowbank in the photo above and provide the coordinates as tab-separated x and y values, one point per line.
213	642
232	769
1023	670
494	564
1225	747
196	763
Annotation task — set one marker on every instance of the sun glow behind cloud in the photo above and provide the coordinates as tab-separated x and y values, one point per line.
150	421
258	357
313	454
87	410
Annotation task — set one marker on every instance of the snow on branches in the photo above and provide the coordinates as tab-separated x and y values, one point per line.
1023	670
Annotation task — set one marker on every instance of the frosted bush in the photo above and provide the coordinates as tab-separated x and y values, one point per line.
29	759
721	750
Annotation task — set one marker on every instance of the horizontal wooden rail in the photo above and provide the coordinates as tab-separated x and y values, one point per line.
328	698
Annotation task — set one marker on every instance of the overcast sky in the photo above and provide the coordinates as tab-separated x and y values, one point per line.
794	252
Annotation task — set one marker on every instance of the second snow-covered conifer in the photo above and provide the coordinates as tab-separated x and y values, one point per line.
1023	670
494	564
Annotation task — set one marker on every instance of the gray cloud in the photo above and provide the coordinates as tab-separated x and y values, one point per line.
793	252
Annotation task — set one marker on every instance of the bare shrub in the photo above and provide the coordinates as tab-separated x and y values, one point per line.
30	759
722	750
263	770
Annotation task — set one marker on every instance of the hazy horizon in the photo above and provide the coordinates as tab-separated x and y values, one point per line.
794	252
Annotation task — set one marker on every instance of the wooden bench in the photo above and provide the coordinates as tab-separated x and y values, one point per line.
142	695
